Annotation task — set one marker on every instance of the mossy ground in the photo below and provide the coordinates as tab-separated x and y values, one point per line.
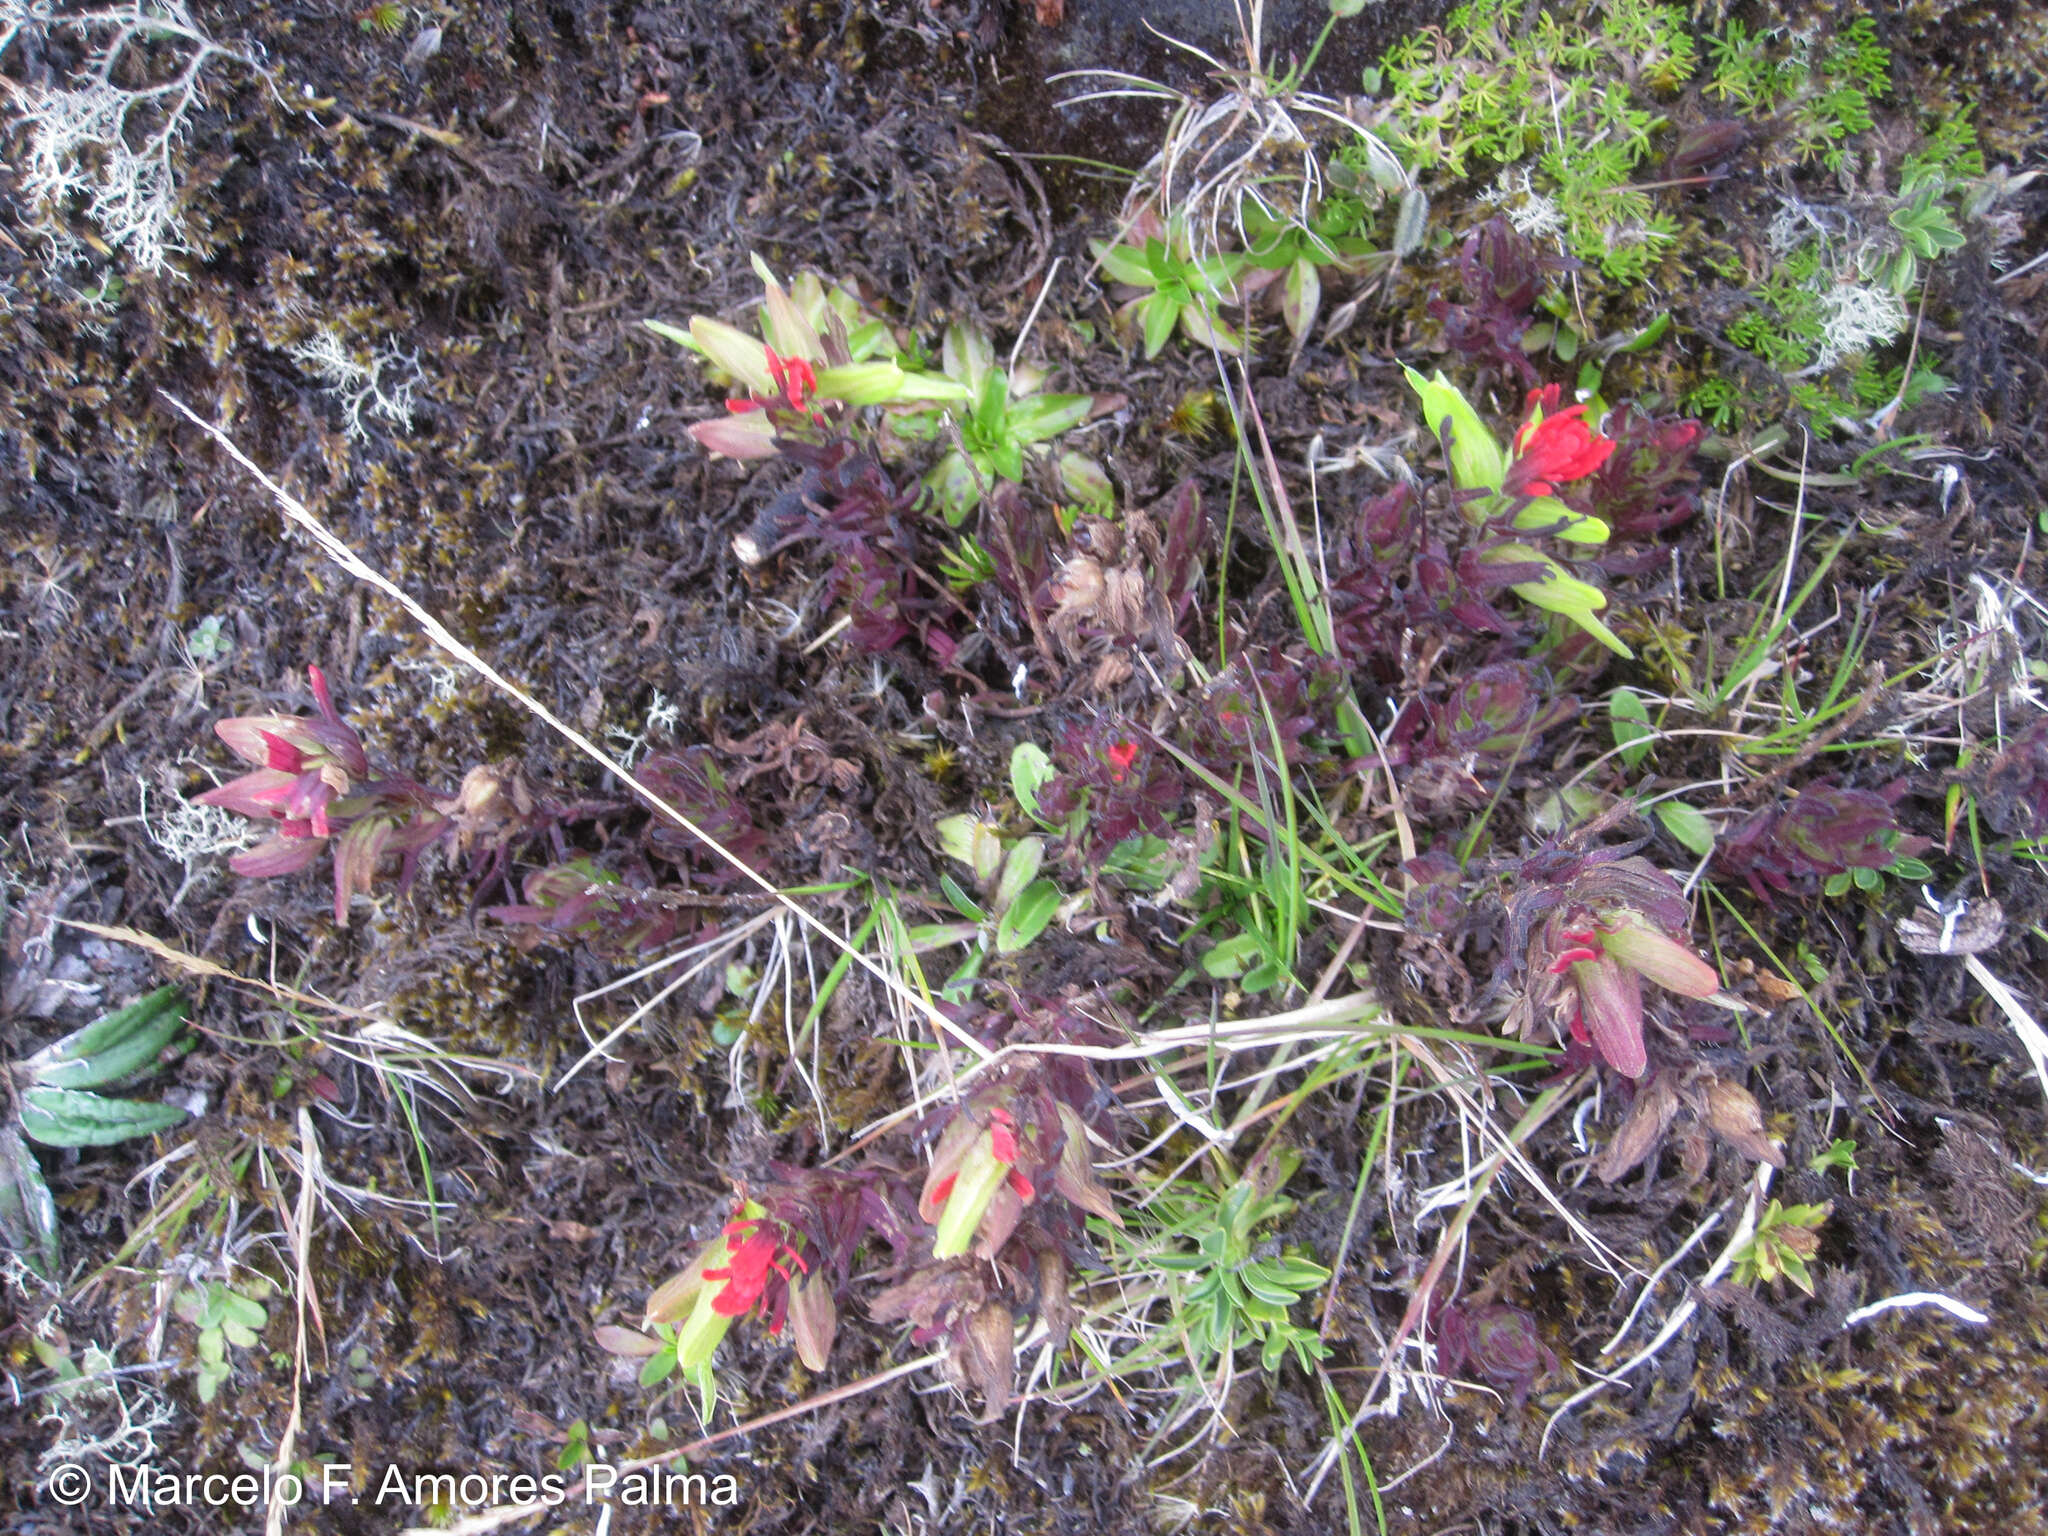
620	162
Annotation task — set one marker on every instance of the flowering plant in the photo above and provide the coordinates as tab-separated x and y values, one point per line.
1505	494
1591	929
1115	781
311	780
818	354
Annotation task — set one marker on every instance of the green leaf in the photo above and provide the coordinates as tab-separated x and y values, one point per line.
1836	885
1411	223
1553	517
1030	771
658	1367
240	1311
966	355
1159	314
740	355
1559	593
960	901
1027	917
991	405
1037	417
1476	458
1233	956
861	383
1005	461
63	1117
1263	1286
956	487
1019	870
1301	295
929	386
674	333
1642	340
973	842
1794	1268
1692	830
1143	862
119	1045
1123	263
28	1214
1866	878
1631	724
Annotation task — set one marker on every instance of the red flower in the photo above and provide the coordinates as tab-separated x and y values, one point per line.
755	1249
1554	446
1121	755
796	377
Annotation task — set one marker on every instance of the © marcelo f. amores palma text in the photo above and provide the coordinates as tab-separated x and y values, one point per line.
151	1488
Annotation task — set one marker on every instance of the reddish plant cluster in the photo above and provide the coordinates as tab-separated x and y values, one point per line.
1646	485
1553	447
1115	781
1264	693
313	786
1499	1341
1503	273
1393	577
1010	1182
1790	846
2014	796
1485	723
311	783
1588	929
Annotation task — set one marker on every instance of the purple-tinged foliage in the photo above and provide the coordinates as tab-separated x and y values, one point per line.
850	506
1119	777
2015	794
311	782
1791	846
692	782
1230	720
1392	577
1646	485
1488	722
1435	903
1503	273
1706	145
577	899
1499	1341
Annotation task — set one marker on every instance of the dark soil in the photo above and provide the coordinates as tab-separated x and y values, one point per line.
591	166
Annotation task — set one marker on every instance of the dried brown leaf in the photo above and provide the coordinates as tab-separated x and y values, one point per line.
1655	1107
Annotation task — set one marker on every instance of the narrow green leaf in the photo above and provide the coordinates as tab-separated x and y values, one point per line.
960	901
674	333
1037	417
1122	262
1159	314
1027	854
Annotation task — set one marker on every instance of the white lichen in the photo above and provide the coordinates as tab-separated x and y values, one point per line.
1856	317
1531	212
377	383
102	142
